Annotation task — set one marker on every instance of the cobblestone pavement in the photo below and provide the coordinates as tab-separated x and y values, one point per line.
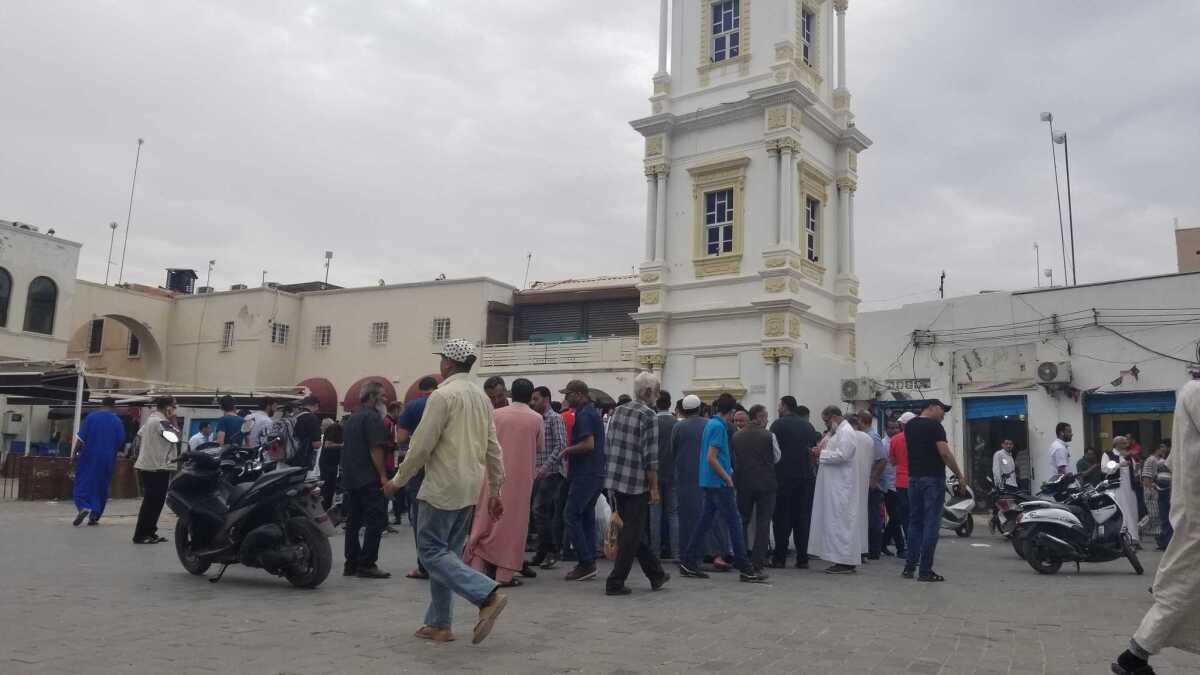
88	601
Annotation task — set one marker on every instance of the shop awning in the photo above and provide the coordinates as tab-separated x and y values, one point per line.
1134	402
324	390
353	393
986	407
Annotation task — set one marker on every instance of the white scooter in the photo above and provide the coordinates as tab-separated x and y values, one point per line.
956	514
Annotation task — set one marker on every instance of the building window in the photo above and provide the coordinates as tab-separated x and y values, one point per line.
227	336
96	336
135	346
718	221
441	330
40	306
5	295
726	30
808	27
812	228
379	333
279	333
323	337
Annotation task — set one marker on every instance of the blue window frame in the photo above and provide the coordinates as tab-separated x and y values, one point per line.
726	30
718	221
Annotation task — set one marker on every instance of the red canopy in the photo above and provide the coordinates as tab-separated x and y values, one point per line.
324	390
350	403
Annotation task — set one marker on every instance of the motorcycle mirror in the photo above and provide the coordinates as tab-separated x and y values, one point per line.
1111	467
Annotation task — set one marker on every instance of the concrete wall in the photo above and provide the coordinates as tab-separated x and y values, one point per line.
1187	249
26	255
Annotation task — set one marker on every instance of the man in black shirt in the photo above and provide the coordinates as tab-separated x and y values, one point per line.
794	476
331	459
306	433
363	478
928	456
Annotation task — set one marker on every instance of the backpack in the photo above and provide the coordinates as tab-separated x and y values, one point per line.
297	451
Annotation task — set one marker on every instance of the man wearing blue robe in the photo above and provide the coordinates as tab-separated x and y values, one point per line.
100	437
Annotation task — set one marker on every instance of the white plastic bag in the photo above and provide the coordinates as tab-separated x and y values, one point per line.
603	516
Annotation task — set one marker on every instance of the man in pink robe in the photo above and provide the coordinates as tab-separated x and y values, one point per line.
500	544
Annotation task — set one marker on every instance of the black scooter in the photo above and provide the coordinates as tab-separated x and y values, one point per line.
234	507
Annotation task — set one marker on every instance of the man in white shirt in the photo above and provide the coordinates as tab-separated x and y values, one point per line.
200	437
260	422
1004	467
1060	450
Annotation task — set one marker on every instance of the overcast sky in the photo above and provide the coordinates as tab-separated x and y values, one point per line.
420	137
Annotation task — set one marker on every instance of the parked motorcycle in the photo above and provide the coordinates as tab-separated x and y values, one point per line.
1054	492
236	507
956	514
1089	527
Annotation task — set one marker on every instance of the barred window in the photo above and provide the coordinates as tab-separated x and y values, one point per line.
227	336
441	329
323	337
379	332
279	333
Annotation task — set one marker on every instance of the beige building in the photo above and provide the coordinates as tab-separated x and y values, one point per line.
1187	248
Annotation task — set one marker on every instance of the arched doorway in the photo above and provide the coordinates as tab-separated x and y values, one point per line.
414	389
119	345
324	390
350	403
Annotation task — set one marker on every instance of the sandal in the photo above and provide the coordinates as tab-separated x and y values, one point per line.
931	577
417	574
511	583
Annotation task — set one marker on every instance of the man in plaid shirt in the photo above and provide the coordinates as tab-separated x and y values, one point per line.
633	482
550	490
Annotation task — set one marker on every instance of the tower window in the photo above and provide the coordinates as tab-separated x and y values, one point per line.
808	25
726	30
40	306
718	221
812	228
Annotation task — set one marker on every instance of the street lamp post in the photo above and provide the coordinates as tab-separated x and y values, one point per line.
1037	264
1061	138
112	239
1049	119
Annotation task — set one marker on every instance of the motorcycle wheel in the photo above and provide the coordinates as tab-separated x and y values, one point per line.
1036	557
966	528
1018	542
1131	554
183	548
310	571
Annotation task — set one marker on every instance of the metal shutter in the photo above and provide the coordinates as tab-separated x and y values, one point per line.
558	319
606	318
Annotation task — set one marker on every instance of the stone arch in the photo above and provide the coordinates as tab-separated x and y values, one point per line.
152	357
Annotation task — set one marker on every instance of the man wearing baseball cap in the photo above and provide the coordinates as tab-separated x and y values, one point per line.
306	433
454	442
929	455
587	469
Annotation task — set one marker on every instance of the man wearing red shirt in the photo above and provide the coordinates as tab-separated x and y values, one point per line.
897	502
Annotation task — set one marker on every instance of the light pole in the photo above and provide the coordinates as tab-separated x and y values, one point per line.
328	260
129	215
1049	119
264	283
112	239
1061	138
1037	264
208	278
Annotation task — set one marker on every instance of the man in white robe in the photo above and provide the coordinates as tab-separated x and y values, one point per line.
839	499
864	461
1174	620
1125	497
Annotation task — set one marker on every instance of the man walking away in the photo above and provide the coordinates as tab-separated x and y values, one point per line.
586	470
261	421
550	490
1156	478
363	478
794	478
306	433
1060	450
898	455
155	462
664	516
100	438
406	426
755	453
229	427
894	531
330	461
716	479
498	545
839	501
200	437
454	443
686	437
874	490
928	456
633	482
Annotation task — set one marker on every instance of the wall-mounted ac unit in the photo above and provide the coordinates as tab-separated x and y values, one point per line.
860	389
204	290
1053	372
238	287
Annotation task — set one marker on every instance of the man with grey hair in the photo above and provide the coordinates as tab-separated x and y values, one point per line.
633	481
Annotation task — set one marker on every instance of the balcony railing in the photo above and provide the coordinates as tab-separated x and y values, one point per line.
597	352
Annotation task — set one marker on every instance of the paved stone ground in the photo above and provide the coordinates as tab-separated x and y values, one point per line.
88	601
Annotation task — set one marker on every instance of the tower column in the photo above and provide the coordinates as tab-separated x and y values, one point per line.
787	192
660	225
664	18
840	6
776	191
845	266
772	370
850	236
651	213
785	375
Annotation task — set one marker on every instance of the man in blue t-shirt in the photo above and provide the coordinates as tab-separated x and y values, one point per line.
229	427
406	426
716	480
586	469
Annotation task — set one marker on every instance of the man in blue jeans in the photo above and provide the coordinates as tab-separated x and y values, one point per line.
716	479
587	466
928	456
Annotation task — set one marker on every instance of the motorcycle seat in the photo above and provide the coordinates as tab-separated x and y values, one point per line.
236	493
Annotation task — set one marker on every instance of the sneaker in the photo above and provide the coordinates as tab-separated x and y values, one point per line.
662	581
348	570
802	564
752	577
692	571
908	573
550	563
931	577
81	516
840	569
372	572
527	571
93	521
620	590
581	573
488	614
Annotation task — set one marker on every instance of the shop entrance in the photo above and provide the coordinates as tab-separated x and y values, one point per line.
1144	416
989	422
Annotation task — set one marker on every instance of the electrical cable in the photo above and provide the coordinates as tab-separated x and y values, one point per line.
1149	349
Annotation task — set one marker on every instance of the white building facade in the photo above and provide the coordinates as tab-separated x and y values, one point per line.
37	282
1105	358
751	159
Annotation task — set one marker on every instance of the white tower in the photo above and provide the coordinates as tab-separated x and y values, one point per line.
748	283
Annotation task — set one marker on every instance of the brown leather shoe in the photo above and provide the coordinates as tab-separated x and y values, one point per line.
435	634
487	616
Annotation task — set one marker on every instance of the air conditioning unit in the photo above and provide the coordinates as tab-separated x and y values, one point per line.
204	290
1053	372
238	287
860	389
